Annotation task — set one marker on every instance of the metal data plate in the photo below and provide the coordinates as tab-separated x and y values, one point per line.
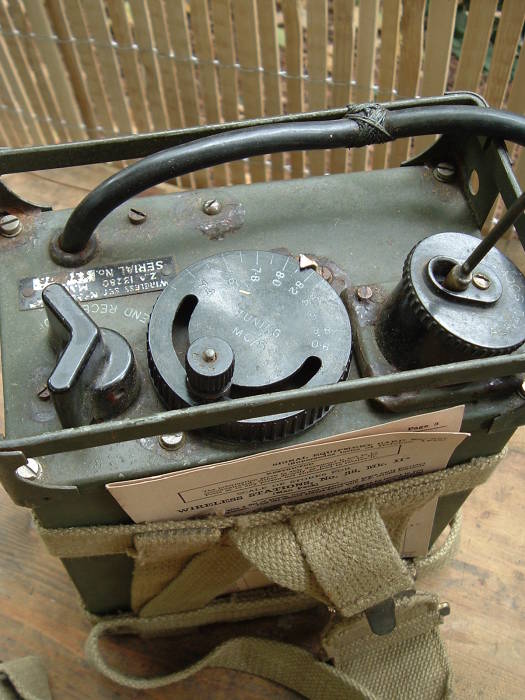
365	223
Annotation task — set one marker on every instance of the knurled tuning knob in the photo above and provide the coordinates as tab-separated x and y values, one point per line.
209	366
425	323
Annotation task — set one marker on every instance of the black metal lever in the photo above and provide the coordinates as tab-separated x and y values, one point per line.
95	377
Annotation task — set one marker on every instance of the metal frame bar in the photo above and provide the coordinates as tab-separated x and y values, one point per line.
87	152
209	415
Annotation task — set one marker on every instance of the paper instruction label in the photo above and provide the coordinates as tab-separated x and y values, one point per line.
317	469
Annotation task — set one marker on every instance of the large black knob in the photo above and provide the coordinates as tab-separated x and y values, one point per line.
95	377
424	323
285	326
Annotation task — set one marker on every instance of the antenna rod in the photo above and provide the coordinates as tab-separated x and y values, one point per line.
460	275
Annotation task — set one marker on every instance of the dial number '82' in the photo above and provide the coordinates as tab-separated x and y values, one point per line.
295	289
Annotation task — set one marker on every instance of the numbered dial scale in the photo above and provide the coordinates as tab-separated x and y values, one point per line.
243	323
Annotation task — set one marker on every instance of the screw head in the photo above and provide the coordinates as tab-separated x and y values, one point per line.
364	293
209	355
30	470
211	207
326	273
44	394
136	216
480	281
445	172
10	226
171	441
444	609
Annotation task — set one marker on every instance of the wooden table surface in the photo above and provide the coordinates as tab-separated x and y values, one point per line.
484	584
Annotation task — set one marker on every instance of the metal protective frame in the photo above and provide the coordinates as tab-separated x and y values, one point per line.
14	452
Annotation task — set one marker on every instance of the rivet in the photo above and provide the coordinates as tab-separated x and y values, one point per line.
364	293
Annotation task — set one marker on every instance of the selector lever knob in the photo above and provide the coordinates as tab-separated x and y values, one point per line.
209	366
95	377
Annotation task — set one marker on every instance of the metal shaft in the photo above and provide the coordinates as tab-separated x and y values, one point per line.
506	221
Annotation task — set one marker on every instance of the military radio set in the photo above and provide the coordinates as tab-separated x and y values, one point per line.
145	337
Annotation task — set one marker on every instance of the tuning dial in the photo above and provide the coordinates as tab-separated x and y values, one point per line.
95	377
209	366
244	323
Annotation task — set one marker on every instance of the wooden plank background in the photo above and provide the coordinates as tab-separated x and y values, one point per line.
71	70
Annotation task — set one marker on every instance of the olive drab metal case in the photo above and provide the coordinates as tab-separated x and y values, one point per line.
358	227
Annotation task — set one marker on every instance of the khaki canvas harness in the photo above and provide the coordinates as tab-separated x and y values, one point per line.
341	552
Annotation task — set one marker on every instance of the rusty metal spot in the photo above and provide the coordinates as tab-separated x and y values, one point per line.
228	220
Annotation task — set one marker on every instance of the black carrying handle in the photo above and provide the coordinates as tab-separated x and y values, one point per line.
363	125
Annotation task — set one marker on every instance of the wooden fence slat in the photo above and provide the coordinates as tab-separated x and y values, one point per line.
58	76
245	25
412	27
200	28
167	73
480	20
11	120
130	65
317	25
95	18
71	59
148	51
20	22
438	45
516	103
27	122
148	58
97	92
15	49
294	69
36	63
519	169
267	19
343	59
390	29
227	74
186	79
366	53
516	100
4	139
507	37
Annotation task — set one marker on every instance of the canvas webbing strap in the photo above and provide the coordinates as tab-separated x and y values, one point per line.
24	679
100	540
412	659
342	556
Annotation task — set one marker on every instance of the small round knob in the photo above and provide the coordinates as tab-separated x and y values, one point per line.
209	366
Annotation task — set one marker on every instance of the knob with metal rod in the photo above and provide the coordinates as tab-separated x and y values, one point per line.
435	315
